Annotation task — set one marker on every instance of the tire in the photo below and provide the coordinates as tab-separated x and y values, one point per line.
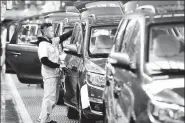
143	118
105	120
132	120
61	97
72	113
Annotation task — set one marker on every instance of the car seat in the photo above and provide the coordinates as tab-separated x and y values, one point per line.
166	46
103	44
155	34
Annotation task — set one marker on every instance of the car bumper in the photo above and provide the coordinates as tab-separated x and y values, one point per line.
90	114
92	107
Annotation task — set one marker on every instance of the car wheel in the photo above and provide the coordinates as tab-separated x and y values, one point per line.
143	118
61	97
105	119
132	120
72	113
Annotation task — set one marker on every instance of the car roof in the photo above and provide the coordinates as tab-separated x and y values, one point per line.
105	20
87	5
164	12
156	19
100	14
166	20
55	17
62	15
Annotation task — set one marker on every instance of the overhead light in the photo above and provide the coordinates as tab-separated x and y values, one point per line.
9	5
28	2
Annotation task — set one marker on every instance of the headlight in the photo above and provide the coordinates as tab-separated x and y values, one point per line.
165	112
96	79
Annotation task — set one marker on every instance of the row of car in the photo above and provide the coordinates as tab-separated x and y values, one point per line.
123	65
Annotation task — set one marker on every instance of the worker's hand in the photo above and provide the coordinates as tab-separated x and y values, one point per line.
63	67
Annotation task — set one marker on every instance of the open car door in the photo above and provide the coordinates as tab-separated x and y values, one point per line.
22	56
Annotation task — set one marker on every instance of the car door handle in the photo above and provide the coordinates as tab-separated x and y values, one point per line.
15	53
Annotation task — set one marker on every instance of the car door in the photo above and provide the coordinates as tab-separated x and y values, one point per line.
123	95
72	63
109	89
132	96
22	56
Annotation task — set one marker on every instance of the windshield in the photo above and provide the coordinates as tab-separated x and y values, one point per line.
101	40
166	49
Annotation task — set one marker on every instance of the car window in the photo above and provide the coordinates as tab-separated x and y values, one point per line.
27	34
11	32
101	39
119	34
33	31
166	47
55	26
39	33
127	36
133	44
77	34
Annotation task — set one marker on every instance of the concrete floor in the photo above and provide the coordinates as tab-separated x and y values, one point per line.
21	103
9	112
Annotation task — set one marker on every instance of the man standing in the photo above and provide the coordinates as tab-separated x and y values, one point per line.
48	51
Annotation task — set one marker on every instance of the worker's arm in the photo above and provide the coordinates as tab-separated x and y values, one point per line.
47	62
65	36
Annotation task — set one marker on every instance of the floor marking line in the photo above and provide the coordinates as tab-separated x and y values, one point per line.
19	103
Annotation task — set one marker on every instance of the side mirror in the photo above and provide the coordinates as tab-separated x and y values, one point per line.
119	60
71	49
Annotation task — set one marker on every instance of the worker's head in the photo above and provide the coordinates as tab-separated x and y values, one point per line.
47	30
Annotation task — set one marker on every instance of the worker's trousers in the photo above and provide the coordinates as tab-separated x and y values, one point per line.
51	95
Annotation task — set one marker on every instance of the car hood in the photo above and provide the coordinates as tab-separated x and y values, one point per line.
169	90
96	65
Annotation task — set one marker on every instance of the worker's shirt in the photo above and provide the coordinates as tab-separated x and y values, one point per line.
51	50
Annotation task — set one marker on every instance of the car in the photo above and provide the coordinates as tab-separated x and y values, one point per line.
145	68
87	52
